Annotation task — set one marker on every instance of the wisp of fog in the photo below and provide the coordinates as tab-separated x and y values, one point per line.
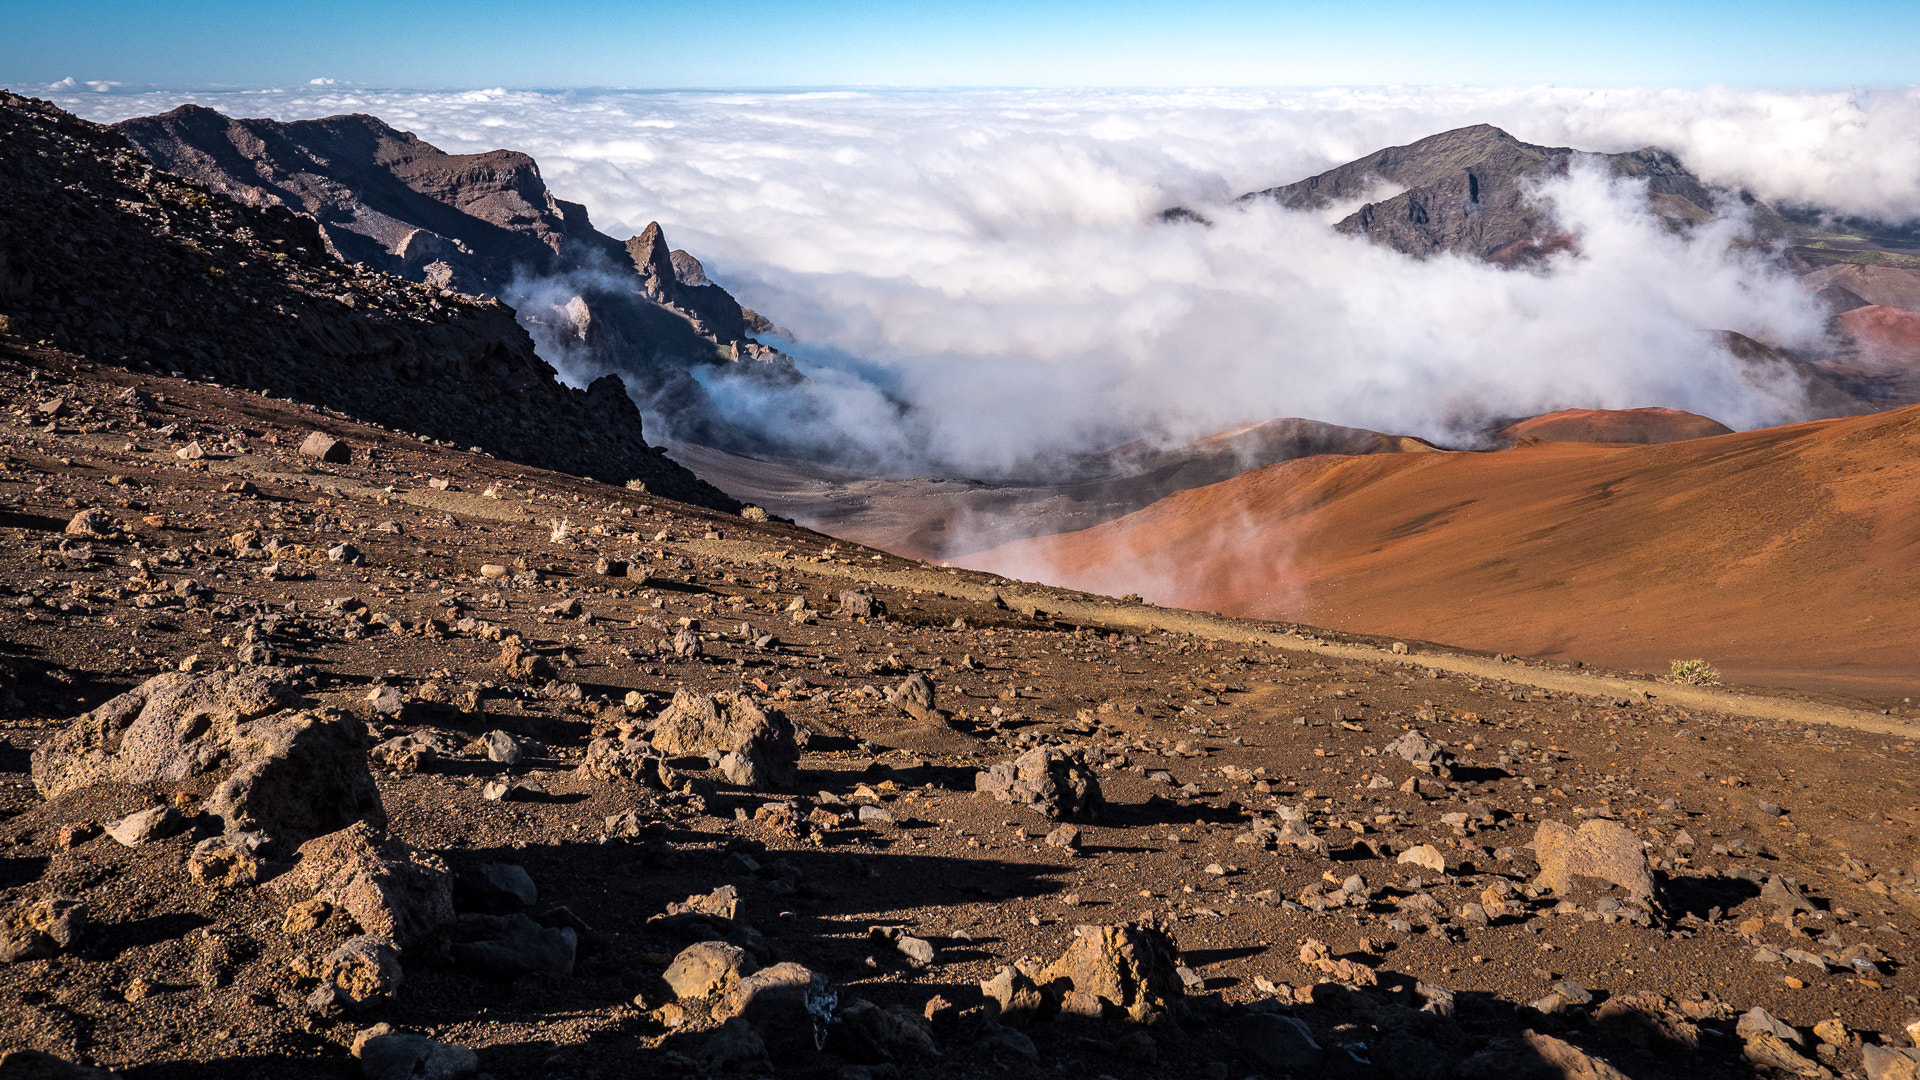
978	281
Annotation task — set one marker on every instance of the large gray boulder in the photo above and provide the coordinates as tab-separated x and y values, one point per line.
288	774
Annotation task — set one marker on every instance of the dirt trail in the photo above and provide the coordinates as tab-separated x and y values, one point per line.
1081	608
1115	615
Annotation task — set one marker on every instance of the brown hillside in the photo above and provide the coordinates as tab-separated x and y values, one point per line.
1785	556
1614	426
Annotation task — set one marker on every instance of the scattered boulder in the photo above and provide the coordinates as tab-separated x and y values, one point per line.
496	886
855	604
757	746
870	1034
1424	856
504	749
41	929
1423	753
1013	998
327	448
226	862
1890	1063
153	823
386	887
522	663
723	903
1130	969
914	696
39	1065
1534	1056
365	969
708	969
92	523
1055	782
386	1054
289	775
1281	1043
516	945
787	1005
1601	849
1785	895
609	759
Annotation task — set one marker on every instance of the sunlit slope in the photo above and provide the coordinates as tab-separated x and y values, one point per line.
1787	556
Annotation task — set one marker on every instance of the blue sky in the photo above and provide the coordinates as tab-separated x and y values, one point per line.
758	43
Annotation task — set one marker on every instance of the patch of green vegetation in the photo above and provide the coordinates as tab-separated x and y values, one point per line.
1695	673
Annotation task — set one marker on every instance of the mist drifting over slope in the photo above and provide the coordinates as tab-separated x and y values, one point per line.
977	281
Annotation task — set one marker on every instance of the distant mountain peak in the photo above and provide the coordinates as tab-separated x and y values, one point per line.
1463	191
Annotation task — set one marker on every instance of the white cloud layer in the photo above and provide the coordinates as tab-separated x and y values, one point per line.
990	257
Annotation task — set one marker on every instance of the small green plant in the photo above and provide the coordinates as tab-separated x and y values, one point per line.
753	513
637	485
1695	673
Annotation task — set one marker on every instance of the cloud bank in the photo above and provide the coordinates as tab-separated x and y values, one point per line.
990	258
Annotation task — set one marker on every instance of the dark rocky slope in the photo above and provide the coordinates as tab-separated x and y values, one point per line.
104	255
486	225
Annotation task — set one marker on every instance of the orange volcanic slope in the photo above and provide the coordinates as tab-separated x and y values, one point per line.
1615	426
1888	336
1788	556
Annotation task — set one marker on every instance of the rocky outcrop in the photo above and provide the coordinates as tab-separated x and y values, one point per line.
1465	192
110	258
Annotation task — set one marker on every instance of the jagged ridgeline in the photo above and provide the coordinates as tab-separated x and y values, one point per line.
104	255
1465	192
486	225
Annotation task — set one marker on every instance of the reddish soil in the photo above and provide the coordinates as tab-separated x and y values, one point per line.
1785	556
1888	336
1614	426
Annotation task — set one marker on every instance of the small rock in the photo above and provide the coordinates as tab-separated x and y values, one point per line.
154	823
326	448
1281	1043
363	970
1602	849
497	886
399	1056
42	929
708	969
226	862
1425	856
503	748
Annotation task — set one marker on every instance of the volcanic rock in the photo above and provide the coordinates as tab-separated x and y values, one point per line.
1601	849
1054	782
387	888
1130	968
42	928
787	1005
708	969
757	745
289	775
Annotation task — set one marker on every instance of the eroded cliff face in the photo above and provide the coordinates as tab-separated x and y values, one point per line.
104	255
487	225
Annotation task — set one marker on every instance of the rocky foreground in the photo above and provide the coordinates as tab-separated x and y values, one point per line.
331	751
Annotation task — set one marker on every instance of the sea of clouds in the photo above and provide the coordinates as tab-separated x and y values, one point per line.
977	279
